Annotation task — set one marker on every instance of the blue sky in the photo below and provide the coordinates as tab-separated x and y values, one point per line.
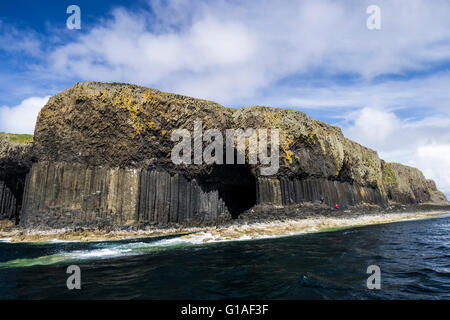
388	89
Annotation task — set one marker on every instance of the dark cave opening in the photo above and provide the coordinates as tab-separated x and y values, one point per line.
13	186
236	185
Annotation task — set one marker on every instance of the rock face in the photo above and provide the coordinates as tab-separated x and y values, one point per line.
102	156
436	196
405	184
15	162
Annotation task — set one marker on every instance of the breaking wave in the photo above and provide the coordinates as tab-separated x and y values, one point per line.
133	247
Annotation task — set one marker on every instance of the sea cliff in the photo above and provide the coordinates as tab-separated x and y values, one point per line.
101	157
15	163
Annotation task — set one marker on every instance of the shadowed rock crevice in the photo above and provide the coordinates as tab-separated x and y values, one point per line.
11	194
15	163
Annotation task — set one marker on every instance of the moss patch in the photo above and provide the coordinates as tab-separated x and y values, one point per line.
431	191
389	174
18	138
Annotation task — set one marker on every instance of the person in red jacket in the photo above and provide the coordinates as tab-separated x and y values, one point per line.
337	207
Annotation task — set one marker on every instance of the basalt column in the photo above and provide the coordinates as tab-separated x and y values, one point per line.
68	194
8	202
165	198
11	192
291	191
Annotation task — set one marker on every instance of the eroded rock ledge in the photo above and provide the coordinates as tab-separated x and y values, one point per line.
101	157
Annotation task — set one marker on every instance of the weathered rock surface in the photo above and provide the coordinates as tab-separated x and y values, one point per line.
436	196
102	157
405	184
15	162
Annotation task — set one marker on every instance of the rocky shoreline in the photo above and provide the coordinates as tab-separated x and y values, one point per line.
259	222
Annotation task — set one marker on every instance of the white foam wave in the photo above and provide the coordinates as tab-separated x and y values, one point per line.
98	253
244	233
138	248
62	241
205	237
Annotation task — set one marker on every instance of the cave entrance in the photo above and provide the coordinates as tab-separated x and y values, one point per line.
11	194
236	185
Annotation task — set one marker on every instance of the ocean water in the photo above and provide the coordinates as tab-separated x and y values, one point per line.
413	256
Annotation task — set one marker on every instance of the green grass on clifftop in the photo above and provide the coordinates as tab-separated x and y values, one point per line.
18	138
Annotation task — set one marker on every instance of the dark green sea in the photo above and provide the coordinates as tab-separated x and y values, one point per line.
413	256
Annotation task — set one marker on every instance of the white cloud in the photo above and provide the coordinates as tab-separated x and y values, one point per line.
435	161
424	143
373	126
124	50
227	51
14	40
427	92
21	118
